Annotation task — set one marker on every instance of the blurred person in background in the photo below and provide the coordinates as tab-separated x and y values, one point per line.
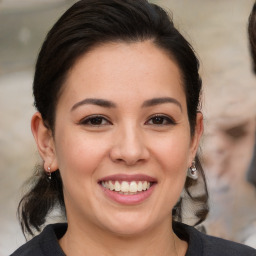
252	40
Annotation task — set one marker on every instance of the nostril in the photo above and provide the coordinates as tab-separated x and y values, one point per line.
129	149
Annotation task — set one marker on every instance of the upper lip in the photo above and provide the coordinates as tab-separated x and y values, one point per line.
125	177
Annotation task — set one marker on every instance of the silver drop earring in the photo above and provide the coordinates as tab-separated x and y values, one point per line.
49	174
192	171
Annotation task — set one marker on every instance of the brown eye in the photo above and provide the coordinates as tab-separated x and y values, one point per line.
95	121
160	120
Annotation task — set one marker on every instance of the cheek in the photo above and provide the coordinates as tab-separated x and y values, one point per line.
173	152
171	158
78	160
78	155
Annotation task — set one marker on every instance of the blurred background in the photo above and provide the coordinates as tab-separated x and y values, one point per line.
218	32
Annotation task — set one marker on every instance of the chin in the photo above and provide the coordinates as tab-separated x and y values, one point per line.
128	230
127	225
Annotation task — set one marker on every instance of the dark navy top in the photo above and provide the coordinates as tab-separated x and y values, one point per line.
199	244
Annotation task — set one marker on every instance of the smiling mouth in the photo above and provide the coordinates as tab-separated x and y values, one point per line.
127	187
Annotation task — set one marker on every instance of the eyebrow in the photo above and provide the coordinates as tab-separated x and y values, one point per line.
162	100
109	104
92	101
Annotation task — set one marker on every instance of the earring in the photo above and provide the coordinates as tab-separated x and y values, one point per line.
192	171
49	174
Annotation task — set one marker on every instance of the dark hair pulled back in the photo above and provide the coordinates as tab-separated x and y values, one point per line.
86	25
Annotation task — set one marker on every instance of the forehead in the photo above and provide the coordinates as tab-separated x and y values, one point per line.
118	68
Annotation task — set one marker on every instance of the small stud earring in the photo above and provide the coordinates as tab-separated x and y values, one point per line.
49	174
192	171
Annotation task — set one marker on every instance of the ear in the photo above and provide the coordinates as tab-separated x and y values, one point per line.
45	142
199	128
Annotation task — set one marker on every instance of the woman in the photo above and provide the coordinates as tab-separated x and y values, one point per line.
118	126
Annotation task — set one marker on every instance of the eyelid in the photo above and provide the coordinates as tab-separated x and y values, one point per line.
169	119
90	117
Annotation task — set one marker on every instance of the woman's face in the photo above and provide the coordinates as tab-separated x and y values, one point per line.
122	139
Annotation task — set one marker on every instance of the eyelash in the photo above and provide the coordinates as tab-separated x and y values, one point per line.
88	120
164	120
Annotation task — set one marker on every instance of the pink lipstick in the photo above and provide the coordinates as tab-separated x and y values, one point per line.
128	189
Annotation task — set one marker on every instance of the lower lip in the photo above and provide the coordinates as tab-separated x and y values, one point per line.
128	199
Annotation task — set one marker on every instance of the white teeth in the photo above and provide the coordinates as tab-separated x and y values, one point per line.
126	187
117	186
139	186
133	187
144	185
111	185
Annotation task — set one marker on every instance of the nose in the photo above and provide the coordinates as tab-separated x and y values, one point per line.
129	146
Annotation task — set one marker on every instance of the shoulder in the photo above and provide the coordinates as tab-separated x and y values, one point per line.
224	247
204	245
30	248
44	244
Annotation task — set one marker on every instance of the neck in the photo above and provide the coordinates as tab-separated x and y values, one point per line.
80	240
